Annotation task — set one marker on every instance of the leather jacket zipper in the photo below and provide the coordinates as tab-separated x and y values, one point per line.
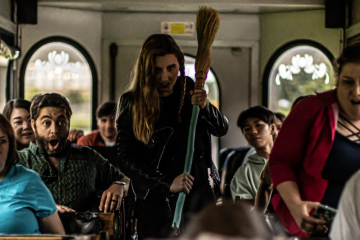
169	208
162	152
172	131
132	187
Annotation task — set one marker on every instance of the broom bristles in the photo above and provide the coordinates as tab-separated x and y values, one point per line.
207	24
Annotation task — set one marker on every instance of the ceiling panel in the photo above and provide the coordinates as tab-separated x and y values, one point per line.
225	6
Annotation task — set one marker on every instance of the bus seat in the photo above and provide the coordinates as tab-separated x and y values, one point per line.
222	157
235	159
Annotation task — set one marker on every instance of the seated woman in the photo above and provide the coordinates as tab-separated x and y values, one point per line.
317	149
17	112
26	205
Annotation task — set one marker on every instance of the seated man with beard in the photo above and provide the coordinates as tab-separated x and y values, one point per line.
70	172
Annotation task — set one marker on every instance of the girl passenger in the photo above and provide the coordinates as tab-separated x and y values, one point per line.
318	149
26	205
153	125
17	112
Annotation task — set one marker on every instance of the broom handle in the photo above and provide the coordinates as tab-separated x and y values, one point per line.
188	163
191	139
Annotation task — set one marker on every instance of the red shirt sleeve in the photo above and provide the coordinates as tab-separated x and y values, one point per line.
291	144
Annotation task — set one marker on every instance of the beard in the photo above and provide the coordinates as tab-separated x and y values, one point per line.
44	143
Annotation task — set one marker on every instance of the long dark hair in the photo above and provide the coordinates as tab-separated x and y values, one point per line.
12	157
146	107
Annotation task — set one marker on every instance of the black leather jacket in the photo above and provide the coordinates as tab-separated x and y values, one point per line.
140	162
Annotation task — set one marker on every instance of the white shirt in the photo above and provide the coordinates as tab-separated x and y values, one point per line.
110	144
346	224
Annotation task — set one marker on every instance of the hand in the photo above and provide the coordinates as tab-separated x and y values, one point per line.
199	97
300	213
111	198
75	134
182	183
64	209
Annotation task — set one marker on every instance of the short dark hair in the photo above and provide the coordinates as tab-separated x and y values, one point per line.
280	116
297	100
106	109
49	100
15	103
350	54
12	157
260	112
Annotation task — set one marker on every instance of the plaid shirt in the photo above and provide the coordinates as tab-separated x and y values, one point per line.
79	170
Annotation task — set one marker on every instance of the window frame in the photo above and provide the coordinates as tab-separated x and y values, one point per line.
278	53
85	54
9	38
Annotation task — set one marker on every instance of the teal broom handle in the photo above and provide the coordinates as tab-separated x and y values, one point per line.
188	163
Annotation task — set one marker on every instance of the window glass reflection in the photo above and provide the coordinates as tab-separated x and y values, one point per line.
61	68
299	71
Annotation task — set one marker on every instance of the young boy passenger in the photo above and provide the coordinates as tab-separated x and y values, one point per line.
106	135
258	126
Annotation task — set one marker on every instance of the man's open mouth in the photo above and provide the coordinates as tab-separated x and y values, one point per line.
54	144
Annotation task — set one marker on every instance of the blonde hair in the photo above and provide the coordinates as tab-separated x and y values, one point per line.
146	106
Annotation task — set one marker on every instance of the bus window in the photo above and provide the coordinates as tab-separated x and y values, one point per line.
298	71
61	68
211	85
3	69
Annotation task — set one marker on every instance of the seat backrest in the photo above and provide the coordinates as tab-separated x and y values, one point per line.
235	159
222	157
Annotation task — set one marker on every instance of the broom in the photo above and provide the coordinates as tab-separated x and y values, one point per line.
207	24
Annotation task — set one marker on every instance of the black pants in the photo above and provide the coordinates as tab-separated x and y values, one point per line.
155	213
